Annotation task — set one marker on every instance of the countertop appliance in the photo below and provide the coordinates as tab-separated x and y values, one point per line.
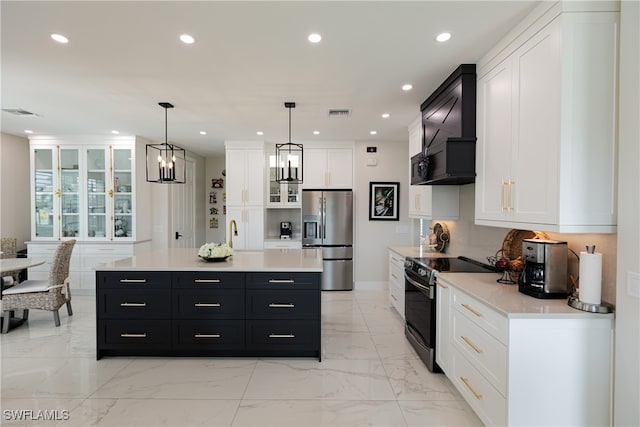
327	223
420	276
544	274
286	230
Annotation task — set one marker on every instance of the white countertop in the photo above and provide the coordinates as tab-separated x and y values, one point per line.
179	259
507	300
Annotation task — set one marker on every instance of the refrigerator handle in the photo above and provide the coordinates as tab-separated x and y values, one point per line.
324	218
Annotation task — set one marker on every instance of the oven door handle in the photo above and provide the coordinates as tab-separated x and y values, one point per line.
426	289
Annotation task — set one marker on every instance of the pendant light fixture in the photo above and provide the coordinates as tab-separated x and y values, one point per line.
289	157
166	163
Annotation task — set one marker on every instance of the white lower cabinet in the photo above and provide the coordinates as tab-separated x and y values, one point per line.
528	362
84	259
396	282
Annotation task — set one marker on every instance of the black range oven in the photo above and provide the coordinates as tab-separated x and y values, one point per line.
420	300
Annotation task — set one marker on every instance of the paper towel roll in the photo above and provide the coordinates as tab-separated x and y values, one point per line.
590	288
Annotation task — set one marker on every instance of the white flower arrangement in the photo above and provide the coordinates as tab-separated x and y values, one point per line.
215	250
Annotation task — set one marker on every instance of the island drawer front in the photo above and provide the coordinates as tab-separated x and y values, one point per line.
134	334
486	401
208	304
488	355
209	334
282	334
208	280
132	279
282	304
480	314
133	303
283	280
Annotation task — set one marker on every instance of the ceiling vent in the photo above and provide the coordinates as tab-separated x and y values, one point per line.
342	114
19	112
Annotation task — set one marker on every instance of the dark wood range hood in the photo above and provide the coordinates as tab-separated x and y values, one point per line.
448	154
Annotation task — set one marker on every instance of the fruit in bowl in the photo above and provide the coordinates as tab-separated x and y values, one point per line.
502	264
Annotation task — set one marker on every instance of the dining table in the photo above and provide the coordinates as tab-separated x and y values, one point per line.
12	264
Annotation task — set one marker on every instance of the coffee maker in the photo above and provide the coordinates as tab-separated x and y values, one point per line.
286	230
544	274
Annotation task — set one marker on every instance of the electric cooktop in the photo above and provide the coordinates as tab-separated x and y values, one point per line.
454	265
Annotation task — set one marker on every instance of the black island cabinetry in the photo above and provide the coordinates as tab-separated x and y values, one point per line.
208	313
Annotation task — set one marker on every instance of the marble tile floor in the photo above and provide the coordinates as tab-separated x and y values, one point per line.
369	376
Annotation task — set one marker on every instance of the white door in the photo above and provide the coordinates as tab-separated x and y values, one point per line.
183	210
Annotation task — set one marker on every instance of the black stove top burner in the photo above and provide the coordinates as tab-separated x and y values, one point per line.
454	265
449	265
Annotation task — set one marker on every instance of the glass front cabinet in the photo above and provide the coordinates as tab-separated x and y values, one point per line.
82	192
281	195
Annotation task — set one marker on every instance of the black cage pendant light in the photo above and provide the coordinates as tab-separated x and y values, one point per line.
289	157
166	163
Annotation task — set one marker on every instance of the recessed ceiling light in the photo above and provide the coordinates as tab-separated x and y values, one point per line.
59	38
385	115
187	39
443	37
259	133
203	132
316	132
373	132
407	87
314	38
115	132
28	131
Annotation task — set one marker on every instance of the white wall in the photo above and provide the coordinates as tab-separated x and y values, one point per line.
479	242
627	334
214	169
14	189
372	238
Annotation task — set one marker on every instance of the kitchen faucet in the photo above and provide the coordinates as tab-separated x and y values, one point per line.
233	231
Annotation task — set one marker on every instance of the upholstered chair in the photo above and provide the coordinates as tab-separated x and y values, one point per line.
42	294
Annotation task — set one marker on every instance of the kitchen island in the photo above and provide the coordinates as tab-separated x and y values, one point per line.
172	303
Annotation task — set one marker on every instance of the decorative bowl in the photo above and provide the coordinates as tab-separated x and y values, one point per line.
216	259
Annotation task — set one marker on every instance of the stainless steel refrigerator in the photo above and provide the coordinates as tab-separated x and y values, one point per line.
327	217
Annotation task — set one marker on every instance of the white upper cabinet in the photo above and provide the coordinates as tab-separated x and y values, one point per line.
546	146
328	168
430	201
245	176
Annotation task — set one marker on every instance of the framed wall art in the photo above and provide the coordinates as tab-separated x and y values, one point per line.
383	201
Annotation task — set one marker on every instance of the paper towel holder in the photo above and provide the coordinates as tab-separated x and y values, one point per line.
574	302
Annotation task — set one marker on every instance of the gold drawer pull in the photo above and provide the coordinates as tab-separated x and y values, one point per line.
441	285
206	304
281	281
394	276
282	335
207	336
477	313
471	344
133	280
133	304
475	393
394	297
276	305
126	335
206	281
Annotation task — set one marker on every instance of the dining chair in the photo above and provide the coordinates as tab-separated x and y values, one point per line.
8	247
42	294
